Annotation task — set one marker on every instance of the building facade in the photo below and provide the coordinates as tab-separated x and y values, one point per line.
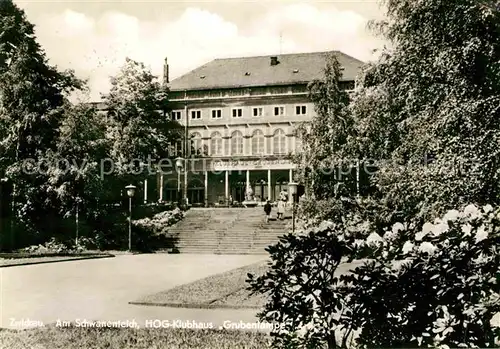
240	117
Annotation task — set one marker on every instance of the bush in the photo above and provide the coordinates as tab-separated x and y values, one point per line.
446	291
349	211
301	288
435	286
51	246
152	233
85	243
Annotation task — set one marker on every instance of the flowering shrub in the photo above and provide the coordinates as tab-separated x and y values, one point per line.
302	289
51	246
56	247
85	243
305	296
151	233
159	223
437	286
444	293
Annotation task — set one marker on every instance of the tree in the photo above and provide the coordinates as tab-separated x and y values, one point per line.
137	121
428	110
32	94
138	126
74	167
324	140
31	90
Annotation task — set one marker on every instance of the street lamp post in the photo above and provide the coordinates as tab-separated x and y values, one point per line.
179	163
293	192
130	192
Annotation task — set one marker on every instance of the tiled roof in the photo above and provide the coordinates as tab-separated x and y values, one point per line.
258	71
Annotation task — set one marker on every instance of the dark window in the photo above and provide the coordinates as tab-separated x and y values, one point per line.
257	111
237	113
279	111
300	110
195	114
216	114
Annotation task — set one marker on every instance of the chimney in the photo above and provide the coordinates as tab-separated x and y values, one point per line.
165	72
274	60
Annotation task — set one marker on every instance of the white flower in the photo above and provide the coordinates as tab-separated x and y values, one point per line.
407	247
374	238
439	229
481	234
397	227
427	228
472	211
420	235
451	215
359	242
390	235
487	208
427	247
495	320
466	229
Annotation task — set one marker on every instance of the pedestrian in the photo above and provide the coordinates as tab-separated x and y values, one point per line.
281	209
267	210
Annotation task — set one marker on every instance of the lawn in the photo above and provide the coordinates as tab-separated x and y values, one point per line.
16	259
225	290
123	338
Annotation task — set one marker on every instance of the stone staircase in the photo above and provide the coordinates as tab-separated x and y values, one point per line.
227	231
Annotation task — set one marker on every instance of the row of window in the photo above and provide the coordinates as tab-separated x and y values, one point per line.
238	112
239	92
234	145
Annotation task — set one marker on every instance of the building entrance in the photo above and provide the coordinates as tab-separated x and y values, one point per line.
238	186
196	192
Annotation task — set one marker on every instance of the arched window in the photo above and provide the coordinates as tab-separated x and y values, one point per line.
196	143
216	144
236	143
257	142
279	142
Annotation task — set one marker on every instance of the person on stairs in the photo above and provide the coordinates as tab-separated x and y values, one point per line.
281	209
267	210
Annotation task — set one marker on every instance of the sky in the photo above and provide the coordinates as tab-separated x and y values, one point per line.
94	37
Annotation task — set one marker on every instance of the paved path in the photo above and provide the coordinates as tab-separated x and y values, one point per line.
101	289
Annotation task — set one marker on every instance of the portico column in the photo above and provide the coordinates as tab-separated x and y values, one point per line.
290	180
185	182
227	186
248	179
269	184
145	191
206	189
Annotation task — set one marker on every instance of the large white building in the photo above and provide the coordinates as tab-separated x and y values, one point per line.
240	115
